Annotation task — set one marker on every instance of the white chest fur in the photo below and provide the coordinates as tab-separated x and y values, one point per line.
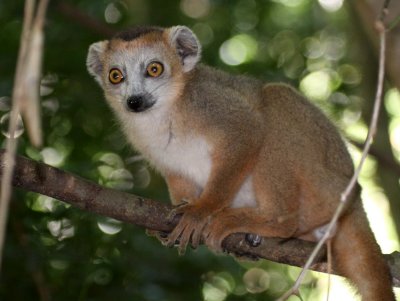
153	135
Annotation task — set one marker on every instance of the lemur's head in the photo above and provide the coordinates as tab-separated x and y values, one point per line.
145	66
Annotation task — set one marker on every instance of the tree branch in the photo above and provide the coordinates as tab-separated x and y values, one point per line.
151	214
73	13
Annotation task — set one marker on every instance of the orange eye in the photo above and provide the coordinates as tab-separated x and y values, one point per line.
155	69
115	76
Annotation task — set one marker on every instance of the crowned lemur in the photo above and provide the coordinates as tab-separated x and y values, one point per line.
238	155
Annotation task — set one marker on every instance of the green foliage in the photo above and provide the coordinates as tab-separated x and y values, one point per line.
56	251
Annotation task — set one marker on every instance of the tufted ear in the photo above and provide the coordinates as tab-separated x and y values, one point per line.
187	46
94	60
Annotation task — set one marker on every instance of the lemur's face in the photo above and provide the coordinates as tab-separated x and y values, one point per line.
140	76
143	68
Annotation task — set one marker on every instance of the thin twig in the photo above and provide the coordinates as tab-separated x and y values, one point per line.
25	100
30	105
11	146
344	198
384	11
329	259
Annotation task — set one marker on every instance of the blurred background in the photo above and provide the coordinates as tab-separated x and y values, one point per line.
325	48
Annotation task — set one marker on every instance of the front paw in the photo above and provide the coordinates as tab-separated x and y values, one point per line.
189	228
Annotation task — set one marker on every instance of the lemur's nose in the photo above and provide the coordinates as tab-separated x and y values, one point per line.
136	103
140	103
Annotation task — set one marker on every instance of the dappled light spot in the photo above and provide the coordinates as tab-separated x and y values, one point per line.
246	15
101	276
4	123
395	136
5	103
378	211
52	156
392	102
316	85
47	84
105	171
334	47
112	14
357	131
339	98
290	3
392	105
349	74
283	46
109	226
59	264
61	229
50	106
140	171
112	160
113	173
278	283
293	273
204	33
331	5
312	48
339	289
120	179
218	286
212	293
238	50
325	45
195	8
256	280
43	203
350	117
141	176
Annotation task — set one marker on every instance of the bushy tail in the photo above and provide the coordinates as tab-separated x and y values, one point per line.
358	257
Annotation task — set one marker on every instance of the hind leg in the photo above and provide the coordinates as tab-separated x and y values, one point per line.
247	220
275	214
358	257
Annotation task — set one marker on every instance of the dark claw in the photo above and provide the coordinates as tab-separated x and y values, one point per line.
224	249
183	202
253	240
174	215
175	244
162	234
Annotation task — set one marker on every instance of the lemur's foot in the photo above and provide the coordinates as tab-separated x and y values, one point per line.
190	227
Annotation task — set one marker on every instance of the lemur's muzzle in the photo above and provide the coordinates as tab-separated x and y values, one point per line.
139	103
